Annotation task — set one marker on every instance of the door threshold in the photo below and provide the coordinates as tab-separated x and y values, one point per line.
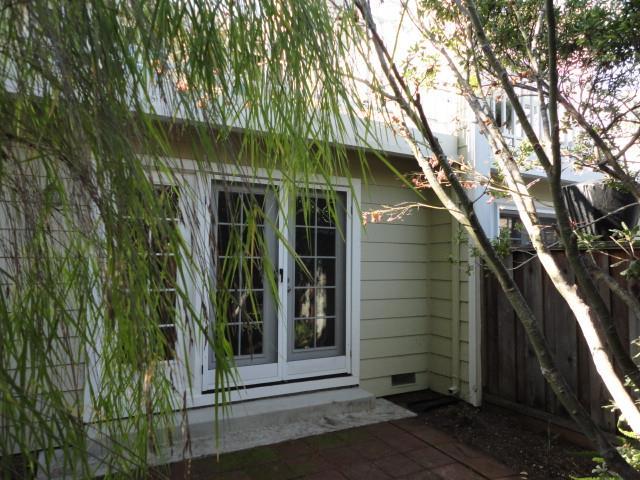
280	382
279	389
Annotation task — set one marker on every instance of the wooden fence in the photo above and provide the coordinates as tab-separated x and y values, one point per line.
510	370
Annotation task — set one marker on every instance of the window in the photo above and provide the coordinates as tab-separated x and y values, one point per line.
513	225
510	221
163	275
153	260
504	116
507	120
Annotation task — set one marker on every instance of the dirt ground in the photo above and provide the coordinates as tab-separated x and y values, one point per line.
503	434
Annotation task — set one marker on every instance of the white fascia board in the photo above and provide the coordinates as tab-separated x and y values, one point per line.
368	134
507	205
569	175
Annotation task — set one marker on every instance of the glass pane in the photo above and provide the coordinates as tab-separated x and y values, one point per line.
253	240
305	276
232	337
325	304
163	271
228	273
222	241
305	244
253	274
241	226
527	112
304	333
168	199
314	323
170	271
234	309
162	233
230	205
324	213
508	118
305	212
255	210
325	332
252	308
326	242
169	342
305	307
326	272
138	231
166	307
516	234
549	236
251	341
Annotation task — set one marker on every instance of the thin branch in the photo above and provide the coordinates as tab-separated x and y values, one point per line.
630	144
610	164
375	88
631	301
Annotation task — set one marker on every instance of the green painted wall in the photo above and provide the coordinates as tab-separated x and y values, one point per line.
408	298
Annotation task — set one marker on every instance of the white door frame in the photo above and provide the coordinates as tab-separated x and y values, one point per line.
344	368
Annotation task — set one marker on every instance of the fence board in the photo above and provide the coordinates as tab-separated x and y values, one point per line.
520	343
492	352
565	332
549	302
532	288
510	369
506	346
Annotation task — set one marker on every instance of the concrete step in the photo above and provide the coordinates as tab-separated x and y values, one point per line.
270	412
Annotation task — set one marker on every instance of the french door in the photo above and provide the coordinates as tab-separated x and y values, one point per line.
291	324
316	300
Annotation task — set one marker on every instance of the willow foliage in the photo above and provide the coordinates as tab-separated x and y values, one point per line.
93	96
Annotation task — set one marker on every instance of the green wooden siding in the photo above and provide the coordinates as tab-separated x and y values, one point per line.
406	293
394	326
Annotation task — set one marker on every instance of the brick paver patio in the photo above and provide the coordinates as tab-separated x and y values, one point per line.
404	449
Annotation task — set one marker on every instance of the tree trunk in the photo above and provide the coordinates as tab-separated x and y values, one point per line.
467	217
529	217
594	308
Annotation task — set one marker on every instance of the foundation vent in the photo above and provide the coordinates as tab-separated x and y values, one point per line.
403	379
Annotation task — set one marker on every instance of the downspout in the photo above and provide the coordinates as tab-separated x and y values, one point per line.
454	389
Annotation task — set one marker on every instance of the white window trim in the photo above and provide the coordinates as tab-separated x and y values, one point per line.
176	366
